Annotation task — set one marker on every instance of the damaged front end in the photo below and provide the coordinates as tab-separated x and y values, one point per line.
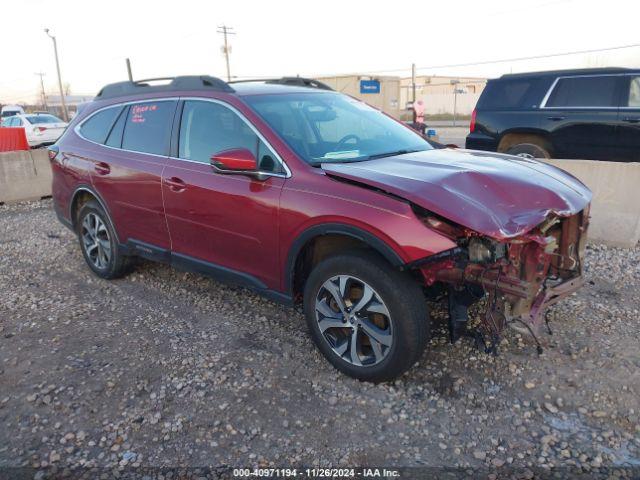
520	277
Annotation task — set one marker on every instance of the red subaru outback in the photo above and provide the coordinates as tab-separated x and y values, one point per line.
313	198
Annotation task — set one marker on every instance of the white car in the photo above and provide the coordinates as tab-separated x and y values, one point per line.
10	110
41	128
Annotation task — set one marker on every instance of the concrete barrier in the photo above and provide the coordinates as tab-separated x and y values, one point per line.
615	210
24	175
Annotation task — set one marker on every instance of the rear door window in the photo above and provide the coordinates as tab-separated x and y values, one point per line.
596	91
148	127
97	127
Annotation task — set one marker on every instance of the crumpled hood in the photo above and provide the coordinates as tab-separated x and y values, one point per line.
500	196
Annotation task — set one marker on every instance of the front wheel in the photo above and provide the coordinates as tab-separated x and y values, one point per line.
368	319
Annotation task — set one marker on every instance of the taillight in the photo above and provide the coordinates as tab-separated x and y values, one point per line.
53	152
41	129
472	125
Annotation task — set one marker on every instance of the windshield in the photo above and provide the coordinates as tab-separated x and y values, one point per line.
322	127
35	119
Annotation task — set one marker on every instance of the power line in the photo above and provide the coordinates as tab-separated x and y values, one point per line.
533	57
489	62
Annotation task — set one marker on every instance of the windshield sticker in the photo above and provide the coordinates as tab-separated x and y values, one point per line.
138	112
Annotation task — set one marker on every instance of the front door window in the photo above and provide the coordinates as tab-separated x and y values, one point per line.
207	128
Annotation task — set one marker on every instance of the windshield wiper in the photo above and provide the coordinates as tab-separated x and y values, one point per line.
317	163
391	154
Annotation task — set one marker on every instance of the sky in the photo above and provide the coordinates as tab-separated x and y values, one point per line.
281	37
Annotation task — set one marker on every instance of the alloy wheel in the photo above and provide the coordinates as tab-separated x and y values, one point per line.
96	241
354	320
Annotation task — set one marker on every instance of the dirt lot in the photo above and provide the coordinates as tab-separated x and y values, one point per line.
165	368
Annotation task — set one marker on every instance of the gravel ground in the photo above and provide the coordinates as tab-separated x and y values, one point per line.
169	369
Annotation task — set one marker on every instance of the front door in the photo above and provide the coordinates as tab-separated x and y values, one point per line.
629	119
581	115
220	221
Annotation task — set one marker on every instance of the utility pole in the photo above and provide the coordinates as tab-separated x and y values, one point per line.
226	49
44	96
455	99
129	70
65	114
413	81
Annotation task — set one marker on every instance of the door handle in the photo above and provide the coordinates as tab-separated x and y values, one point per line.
102	168
556	118
175	184
631	119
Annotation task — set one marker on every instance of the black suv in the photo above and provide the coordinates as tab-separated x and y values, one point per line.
589	114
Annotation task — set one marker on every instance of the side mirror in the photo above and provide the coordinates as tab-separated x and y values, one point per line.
235	160
238	161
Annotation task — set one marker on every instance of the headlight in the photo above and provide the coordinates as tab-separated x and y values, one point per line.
483	250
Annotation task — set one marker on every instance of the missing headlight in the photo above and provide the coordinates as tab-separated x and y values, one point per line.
483	250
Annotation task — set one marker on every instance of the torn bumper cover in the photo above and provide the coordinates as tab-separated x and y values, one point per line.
521	277
551	295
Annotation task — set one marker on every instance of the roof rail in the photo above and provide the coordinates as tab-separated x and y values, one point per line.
571	71
187	82
293	81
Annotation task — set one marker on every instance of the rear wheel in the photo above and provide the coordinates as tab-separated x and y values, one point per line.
529	150
369	320
98	242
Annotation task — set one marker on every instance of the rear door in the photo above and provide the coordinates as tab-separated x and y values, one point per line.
581	115
127	172
629	119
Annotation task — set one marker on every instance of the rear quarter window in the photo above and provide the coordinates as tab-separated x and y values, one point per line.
115	137
509	94
97	127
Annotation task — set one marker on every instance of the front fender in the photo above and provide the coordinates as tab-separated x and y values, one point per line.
380	246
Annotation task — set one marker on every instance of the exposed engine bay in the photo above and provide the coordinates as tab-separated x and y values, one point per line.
519	278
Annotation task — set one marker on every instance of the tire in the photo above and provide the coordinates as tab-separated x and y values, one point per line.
101	252
395	313
529	150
